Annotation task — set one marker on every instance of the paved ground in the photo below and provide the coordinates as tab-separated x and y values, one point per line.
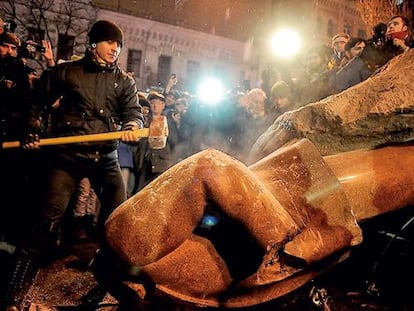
62	285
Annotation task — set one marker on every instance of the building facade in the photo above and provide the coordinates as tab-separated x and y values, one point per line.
228	39
154	50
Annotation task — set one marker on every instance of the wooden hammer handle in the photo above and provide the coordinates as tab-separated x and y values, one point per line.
144	132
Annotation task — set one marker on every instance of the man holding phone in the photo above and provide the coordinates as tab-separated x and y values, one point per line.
170	94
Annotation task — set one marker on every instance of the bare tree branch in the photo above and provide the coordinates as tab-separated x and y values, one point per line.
51	18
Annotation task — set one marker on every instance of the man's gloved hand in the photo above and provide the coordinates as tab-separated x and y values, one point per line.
31	141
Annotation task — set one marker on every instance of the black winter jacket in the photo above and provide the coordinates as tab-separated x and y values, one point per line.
93	100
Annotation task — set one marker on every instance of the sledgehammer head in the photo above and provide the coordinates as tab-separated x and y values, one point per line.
158	132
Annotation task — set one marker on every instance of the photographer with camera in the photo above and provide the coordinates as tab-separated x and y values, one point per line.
16	165
16	88
29	49
32	50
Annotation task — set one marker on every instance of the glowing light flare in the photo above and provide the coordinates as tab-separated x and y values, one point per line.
286	43
211	91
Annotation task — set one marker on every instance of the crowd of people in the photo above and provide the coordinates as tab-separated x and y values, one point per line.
87	181
89	96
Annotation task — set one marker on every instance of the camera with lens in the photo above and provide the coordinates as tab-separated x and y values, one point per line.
31	49
34	47
379	37
9	26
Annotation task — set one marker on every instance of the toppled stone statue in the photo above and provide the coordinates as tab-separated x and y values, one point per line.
297	208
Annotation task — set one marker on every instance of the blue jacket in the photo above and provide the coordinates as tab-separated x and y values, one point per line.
352	73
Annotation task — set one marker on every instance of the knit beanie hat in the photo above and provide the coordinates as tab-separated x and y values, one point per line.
104	31
280	90
10	38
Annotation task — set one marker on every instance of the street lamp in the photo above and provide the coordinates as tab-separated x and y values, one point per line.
286	43
211	90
